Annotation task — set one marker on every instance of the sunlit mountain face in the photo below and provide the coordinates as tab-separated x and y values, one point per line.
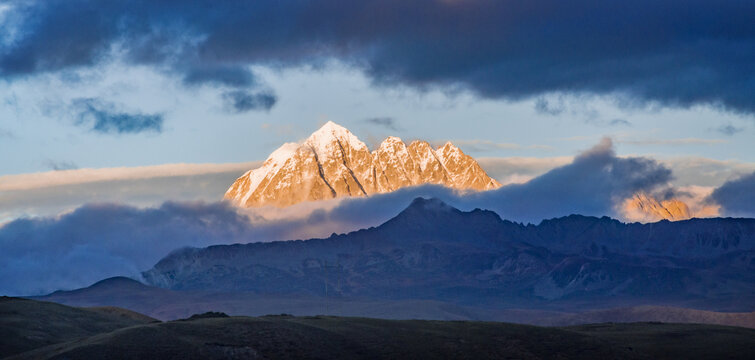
539	162
332	162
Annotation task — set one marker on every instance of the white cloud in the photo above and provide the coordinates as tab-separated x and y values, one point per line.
701	171
517	170
671	142
479	145
82	176
54	192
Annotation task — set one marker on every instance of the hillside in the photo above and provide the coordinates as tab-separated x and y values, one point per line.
319	337
28	324
167	304
666	314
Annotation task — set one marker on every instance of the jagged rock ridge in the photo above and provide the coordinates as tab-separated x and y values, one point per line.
645	208
333	162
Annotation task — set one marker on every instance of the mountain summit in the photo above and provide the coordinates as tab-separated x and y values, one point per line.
332	162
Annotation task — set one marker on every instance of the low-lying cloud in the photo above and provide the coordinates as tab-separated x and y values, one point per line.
54	192
737	197
591	185
96	241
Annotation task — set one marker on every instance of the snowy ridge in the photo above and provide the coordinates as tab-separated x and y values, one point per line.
333	162
322	140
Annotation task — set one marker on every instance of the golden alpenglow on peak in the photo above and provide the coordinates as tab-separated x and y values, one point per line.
645	208
332	162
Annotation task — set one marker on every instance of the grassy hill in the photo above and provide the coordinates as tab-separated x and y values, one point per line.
40	330
666	314
28	324
279	337
676	341
165	304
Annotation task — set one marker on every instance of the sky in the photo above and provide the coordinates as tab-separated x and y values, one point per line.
92	85
145	105
41	130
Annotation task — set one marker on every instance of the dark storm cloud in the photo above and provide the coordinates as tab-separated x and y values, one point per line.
659	52
545	107
96	241
60	165
224	75
242	101
737	197
103	117
729	129
386	122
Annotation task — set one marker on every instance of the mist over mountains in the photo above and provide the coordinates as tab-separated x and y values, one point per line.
96	241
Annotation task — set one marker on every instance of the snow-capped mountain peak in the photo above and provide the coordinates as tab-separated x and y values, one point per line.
333	162
332	134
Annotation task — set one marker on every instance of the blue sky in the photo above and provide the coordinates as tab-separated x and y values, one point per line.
40	131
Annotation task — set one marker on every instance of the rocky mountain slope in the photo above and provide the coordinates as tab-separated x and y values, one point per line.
333	162
432	251
645	208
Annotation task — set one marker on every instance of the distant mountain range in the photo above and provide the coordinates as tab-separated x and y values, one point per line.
432	251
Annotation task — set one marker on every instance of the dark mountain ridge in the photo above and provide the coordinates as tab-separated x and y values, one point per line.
434	251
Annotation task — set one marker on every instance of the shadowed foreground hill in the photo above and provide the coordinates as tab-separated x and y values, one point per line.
28	324
165	304
48	331
665	314
286	337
